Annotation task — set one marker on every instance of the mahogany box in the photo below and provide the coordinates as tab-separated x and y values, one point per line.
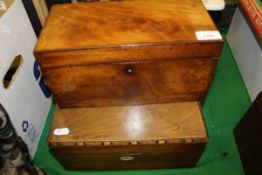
128	137
128	52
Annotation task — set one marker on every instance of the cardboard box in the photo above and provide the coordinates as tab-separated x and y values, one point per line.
23	93
247	53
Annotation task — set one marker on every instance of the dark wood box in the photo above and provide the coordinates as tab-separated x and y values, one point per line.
248	135
128	137
128	52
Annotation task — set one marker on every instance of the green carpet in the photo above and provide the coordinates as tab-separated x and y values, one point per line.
259	4
226	102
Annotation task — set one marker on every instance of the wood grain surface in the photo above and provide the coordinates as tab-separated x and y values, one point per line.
129	54
125	31
144	123
98	24
86	50
147	82
142	156
129	137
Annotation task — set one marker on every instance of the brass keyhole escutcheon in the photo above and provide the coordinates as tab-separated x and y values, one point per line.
126	158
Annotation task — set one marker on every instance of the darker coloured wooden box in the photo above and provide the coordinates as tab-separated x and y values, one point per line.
127	52
248	135
128	137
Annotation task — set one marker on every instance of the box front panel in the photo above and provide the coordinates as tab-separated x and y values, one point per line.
131	83
129	156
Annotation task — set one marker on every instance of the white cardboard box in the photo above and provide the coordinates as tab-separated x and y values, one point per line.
24	99
247	53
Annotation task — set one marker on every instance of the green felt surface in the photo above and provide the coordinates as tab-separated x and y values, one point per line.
259	4
226	102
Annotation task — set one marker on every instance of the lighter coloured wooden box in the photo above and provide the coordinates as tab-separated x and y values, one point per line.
128	137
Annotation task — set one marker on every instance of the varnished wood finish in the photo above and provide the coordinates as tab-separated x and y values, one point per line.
148	82
156	156
116	23
127	123
156	136
124	31
127	54
85	49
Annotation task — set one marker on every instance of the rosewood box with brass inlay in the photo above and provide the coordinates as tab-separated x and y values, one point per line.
128	137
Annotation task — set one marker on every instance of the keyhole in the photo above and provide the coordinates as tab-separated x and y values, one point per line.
130	70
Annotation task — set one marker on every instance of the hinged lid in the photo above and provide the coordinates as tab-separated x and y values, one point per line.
129	30
144	124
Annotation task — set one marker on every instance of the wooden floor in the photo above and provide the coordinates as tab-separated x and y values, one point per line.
225	104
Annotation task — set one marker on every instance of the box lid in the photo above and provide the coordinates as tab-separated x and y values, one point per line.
130	30
143	124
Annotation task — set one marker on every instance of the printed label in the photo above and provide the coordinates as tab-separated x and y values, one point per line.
208	35
61	131
31	134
